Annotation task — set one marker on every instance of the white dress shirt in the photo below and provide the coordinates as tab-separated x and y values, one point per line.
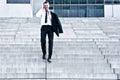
41	14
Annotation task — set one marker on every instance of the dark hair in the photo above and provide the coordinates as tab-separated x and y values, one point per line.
45	2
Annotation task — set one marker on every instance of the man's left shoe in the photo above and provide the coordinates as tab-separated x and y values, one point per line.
49	60
43	57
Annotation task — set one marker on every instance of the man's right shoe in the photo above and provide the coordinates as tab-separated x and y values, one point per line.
49	60
43	57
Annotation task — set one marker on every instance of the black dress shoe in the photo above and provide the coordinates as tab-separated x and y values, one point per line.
43	57
49	60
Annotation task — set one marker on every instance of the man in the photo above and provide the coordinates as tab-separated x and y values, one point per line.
50	24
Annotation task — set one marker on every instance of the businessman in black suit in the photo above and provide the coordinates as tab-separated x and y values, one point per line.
50	23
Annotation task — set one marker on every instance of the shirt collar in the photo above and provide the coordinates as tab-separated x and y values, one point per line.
48	10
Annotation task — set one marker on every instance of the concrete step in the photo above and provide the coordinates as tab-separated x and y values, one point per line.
57	60
110	52
77	56
83	65
56	56
58	51
22	75
112	48
38	46
112	56
112	60
68	70
60	45
108	46
77	79
118	76
22	79
22	70
67	43
115	65
31	65
117	70
19	62
91	52
83	76
80	61
85	52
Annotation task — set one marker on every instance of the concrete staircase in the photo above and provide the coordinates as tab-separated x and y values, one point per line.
89	49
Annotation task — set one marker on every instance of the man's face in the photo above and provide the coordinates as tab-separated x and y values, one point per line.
46	6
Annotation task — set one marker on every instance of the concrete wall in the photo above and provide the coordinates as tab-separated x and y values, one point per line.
37	4
116	11
112	11
108	10
28	10
15	10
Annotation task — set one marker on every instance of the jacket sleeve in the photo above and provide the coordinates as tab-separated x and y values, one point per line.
39	13
59	25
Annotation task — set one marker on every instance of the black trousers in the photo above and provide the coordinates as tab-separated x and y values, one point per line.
47	30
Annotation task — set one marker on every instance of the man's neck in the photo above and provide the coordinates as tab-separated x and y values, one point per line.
47	10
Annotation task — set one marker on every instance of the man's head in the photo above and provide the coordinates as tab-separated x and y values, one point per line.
46	5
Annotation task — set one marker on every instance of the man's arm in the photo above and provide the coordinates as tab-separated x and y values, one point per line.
39	13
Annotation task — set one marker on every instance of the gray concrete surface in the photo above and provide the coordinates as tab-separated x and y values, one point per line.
89	49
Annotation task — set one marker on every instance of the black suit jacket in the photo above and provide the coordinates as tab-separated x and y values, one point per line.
57	27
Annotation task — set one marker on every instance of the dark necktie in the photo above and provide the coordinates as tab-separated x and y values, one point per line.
45	16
